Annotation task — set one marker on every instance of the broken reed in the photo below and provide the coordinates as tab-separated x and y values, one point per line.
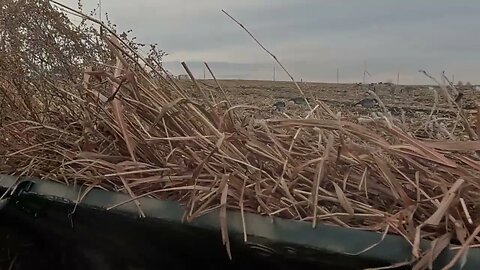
128	128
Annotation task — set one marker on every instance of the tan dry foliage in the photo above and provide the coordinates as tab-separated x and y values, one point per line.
152	139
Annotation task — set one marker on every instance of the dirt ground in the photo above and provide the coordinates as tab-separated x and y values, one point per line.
410	104
410	98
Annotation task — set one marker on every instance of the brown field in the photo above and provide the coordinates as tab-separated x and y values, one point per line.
410	104
265	93
415	100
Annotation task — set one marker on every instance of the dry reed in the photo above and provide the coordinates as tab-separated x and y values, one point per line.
127	127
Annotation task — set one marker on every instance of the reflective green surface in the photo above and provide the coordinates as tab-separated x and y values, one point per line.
118	239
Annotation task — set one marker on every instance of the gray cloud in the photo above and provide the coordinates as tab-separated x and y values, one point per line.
311	37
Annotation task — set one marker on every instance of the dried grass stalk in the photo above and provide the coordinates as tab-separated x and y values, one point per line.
153	139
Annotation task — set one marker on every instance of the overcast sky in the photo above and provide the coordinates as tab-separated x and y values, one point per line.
310	37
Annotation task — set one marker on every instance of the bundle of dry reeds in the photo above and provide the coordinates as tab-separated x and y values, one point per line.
126	127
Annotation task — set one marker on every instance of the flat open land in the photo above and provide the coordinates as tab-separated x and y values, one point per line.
410	98
411	104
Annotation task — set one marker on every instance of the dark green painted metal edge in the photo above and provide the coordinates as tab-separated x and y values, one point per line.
324	238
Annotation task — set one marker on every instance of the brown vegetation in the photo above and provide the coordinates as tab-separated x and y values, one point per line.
82	107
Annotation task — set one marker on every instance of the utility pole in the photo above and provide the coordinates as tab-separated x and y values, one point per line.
338	74
398	78
365	71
